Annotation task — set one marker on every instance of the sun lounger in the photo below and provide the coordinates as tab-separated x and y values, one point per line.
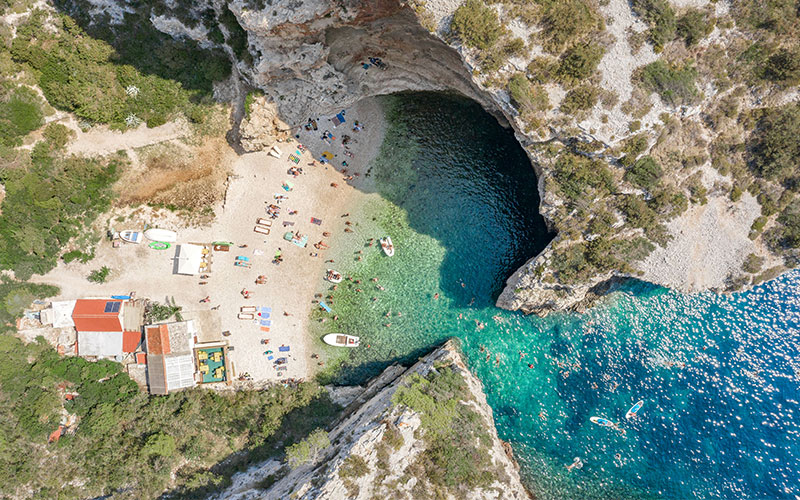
264	222
246	316
261	230
248	309
283	348
240	263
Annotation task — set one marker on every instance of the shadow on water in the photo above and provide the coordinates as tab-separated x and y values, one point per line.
465	181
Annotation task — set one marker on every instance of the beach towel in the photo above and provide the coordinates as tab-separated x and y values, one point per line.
264	315
283	348
325	306
266	309
266	322
258	252
270	357
316	221
336	121
340	117
242	257
264	328
327	155
287	223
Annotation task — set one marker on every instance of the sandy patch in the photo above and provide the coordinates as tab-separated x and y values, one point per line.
255	179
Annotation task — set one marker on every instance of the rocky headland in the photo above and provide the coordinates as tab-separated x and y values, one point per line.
389	442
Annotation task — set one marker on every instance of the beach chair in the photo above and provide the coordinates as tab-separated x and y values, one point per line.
240	263
261	230
264	222
246	316
248	309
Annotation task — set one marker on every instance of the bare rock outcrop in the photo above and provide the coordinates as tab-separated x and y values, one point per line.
387	439
262	126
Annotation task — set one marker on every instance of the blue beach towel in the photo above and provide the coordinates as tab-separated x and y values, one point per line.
283	348
266	310
270	357
266	322
325	306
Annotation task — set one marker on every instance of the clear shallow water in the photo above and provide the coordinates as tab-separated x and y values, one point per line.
718	374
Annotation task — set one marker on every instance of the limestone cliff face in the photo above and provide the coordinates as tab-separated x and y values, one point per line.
370	423
307	56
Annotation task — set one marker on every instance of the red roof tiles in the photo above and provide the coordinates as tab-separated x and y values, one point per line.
158	339
89	316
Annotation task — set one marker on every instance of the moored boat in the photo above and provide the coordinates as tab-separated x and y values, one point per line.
156	234
387	246
333	276
131	236
341	340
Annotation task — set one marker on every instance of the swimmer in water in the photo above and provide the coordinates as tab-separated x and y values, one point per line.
522	354
577	463
436	295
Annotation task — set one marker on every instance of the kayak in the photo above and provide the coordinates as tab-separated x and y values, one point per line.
634	409
341	340
155	234
388	246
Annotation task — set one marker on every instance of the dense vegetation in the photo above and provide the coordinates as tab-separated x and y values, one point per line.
20	113
49	200
138	75
579	177
455	456
775	149
126	439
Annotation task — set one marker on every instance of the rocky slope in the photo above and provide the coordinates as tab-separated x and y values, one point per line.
307	56
389	443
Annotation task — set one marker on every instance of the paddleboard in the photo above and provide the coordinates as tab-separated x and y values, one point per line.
603	422
634	409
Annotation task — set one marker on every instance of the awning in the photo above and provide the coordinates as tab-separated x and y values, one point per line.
188	258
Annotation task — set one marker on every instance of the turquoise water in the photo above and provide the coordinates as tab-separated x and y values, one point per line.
718	374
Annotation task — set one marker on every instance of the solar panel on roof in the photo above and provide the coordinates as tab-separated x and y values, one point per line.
111	307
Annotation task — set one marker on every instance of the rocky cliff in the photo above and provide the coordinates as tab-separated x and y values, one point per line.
389	443
638	117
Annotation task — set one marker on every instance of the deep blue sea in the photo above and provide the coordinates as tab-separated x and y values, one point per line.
719	375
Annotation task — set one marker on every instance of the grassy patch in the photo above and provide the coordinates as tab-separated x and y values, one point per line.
774	148
20	113
580	177
528	98
660	17
645	173
565	22
580	62
580	99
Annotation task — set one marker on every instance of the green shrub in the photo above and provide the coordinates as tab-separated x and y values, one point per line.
645	173
694	25
674	84
576	175
736	193
580	62
354	466
774	148
495	57
778	17
697	190
752	264
637	212
542	69
566	21
307	450
99	275
476	24
633	147
660	17
580	99
20	114
57	135
758	224
784	66
789	220
668	202
527	97
237	36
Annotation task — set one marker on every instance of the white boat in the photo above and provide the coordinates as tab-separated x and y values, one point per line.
131	236
388	246
155	234
340	340
333	276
